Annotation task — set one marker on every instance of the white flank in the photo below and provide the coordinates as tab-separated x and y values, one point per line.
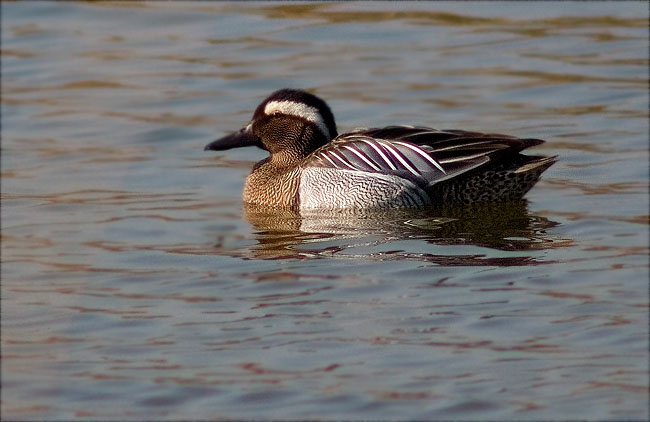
303	111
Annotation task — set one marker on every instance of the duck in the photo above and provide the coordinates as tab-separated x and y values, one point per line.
311	167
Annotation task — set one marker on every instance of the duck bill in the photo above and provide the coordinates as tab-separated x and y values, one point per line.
243	138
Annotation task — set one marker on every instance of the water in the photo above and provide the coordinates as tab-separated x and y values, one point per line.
136	286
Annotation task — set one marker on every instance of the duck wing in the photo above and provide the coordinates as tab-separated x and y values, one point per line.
423	155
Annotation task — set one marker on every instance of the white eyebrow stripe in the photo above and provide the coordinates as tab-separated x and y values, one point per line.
399	158
301	110
342	160
381	154
423	154
465	157
362	156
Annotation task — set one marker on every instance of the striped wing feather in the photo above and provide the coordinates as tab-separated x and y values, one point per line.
424	155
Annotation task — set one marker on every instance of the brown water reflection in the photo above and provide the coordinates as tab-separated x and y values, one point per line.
320	11
502	226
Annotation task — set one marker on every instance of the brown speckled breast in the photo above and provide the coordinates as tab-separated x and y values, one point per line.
272	186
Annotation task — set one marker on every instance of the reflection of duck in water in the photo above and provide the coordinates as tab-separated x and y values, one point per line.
310	167
505	226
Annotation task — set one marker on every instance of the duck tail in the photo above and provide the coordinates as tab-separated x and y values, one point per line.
536	164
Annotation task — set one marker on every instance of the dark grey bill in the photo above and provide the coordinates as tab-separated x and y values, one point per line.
243	138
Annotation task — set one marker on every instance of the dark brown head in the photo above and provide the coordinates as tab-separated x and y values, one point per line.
289	121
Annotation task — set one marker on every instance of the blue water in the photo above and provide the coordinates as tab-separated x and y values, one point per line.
135	286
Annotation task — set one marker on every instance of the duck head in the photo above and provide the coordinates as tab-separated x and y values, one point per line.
289	122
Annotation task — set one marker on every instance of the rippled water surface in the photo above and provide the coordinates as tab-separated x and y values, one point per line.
135	285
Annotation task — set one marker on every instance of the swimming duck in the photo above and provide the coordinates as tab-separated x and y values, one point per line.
311	167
